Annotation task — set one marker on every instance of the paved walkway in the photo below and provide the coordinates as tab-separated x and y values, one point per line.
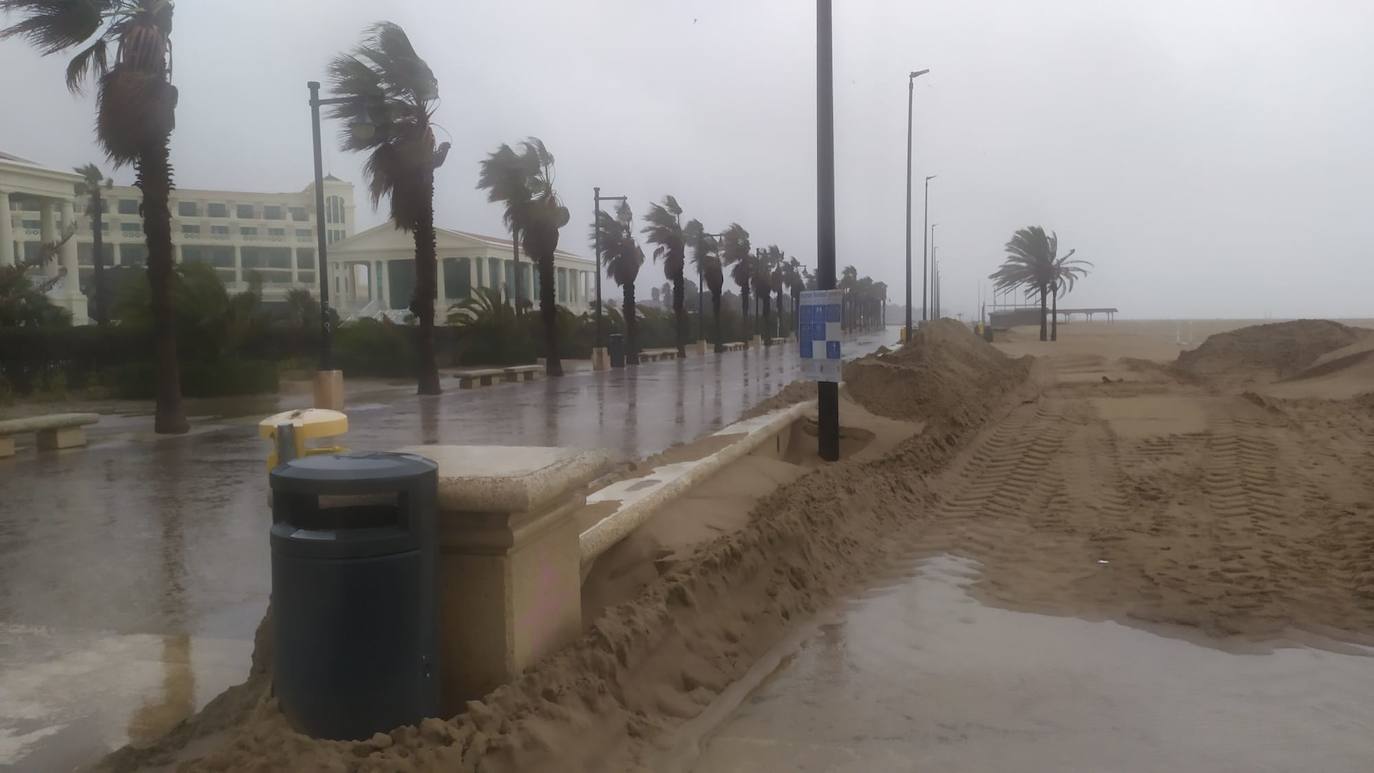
133	572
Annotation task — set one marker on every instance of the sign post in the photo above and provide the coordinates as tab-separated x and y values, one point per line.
819	334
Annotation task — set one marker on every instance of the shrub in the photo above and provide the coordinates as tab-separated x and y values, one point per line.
369	347
218	378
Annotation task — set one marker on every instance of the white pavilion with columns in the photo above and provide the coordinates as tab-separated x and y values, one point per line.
30	187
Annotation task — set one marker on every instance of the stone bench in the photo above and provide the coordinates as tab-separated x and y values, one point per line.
522	372
734	346
58	430
654	355
471	379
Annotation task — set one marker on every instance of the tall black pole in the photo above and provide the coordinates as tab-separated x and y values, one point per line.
596	231
322	258
827	392
910	106
925	270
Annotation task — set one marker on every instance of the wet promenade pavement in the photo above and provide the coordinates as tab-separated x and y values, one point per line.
134	571
919	675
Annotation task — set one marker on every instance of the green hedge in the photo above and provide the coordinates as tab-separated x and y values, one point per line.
221	378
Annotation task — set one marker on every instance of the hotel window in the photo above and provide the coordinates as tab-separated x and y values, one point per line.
131	228
248	232
190	230
217	210
305	235
219	230
128	206
245	212
276	233
273	212
188	209
299	214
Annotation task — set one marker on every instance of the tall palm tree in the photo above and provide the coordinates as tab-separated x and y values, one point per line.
706	258
505	176
665	230
541	222
93	183
390	94
1067	272
136	112
736	252
849	280
623	258
1031	262
777	281
796	284
762	282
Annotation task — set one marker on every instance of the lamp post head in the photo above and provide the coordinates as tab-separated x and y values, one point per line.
931	177
918	73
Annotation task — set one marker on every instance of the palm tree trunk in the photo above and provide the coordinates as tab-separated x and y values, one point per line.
778	328
515	257
1044	311
715	310
1054	315
102	317
680	312
744	313
426	291
628	312
548	311
763	333
155	180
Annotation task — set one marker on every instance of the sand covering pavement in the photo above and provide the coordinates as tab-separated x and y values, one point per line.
1146	491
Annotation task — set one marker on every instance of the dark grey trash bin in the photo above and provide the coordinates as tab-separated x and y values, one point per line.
353	592
615	347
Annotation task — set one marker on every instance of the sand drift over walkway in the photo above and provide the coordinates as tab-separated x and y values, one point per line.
1082	485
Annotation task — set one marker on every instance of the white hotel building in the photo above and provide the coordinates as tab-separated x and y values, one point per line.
270	235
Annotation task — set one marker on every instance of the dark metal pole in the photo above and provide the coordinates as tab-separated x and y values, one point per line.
910	106
925	270
321	257
827	393
596	230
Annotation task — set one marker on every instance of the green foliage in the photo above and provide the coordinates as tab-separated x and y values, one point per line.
210	323
216	378
369	347
487	331
23	305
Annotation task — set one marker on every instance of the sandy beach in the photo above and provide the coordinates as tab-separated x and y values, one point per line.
1227	494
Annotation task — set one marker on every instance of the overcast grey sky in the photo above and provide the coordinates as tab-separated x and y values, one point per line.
1211	157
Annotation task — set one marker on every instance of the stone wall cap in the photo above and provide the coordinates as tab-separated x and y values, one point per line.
509	479
49	421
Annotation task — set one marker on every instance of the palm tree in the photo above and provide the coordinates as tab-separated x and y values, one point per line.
762	282
849	280
777	280
623	258
539	228
505	176
1032	261
796	283
93	182
390	94
736	253
1067	272
136	112
665	230
706	258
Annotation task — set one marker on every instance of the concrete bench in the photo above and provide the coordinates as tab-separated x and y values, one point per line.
779	341
471	379
522	372
654	355
59	430
734	346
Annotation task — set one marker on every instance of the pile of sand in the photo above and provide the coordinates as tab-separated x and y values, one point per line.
942	371
613	699
1280	350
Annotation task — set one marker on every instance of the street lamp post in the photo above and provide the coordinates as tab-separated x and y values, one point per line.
328	380
827	392
925	271
934	268
910	106
600	360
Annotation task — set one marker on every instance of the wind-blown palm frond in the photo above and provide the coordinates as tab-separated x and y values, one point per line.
665	230
390	94
737	253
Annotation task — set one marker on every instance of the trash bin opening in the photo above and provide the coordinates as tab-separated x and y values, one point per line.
336	513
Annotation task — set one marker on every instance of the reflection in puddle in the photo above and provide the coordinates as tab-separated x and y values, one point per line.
921	676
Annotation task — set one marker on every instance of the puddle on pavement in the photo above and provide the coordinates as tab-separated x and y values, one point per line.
69	697
920	676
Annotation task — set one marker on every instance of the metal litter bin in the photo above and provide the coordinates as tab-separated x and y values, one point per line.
615	346
355	637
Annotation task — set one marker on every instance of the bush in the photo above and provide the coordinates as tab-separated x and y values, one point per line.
220	378
370	347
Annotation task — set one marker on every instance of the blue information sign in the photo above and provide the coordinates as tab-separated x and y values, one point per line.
819	334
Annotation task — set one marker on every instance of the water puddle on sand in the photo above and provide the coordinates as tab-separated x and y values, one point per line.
920	676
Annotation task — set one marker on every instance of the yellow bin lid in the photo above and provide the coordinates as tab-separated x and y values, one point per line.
309	423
